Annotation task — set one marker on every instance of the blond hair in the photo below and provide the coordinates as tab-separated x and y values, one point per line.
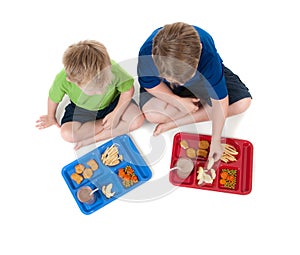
176	51
87	61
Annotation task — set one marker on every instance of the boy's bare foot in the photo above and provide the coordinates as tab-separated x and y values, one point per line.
163	127
83	143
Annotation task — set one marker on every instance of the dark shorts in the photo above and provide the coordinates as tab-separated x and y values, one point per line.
237	90
75	113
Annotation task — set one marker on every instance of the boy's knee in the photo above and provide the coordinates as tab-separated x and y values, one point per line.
155	117
244	104
137	122
241	106
67	134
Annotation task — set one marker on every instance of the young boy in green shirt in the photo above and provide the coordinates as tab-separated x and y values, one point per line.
100	92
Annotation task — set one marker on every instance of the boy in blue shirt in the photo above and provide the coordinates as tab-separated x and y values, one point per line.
183	80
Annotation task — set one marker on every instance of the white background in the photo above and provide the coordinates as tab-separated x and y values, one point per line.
257	39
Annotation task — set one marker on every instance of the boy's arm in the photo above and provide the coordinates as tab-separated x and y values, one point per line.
162	92
52	106
49	119
124	101
219	114
113	118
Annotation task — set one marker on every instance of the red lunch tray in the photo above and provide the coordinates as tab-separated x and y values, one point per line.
242	167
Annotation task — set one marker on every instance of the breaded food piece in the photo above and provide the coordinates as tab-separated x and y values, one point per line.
92	164
79	168
191	153
76	177
184	144
204	144
202	153
87	173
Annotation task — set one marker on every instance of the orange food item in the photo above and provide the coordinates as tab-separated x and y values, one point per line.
230	178
128	176
87	173
121	172
134	179
224	175
76	177
222	181
79	168
92	164
202	153
203	144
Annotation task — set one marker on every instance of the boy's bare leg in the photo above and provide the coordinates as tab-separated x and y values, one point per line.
203	114
158	111
75	131
132	119
199	116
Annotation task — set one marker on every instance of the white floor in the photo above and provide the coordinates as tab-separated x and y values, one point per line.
39	216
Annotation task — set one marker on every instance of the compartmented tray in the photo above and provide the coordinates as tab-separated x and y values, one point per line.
232	176
128	157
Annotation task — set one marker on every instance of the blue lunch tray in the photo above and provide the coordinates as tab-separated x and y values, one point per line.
105	175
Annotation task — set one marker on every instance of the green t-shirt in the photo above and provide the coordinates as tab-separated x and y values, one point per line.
121	82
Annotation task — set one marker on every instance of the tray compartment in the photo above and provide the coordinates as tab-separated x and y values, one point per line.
204	185
101	181
228	178
70	169
86	208
136	171
237	146
176	179
179	151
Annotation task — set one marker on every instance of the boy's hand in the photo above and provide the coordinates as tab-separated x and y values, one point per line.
111	120
46	121
216	150
189	104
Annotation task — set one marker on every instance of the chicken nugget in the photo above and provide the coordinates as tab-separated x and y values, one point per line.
184	144
79	168
202	153
191	153
204	144
87	173
76	177
92	164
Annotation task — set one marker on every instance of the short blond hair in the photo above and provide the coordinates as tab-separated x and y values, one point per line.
87	61
176	51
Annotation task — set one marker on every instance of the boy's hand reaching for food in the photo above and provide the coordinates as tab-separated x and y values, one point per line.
45	121
216	150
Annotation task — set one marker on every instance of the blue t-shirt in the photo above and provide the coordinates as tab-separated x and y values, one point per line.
210	68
